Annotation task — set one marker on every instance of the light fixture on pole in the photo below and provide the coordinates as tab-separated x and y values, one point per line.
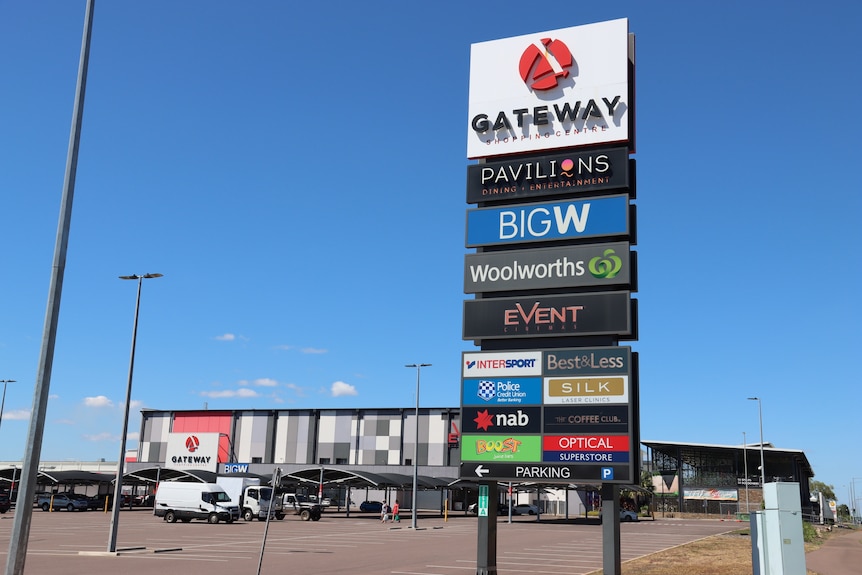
118	481
745	459
3	403
418	367
762	466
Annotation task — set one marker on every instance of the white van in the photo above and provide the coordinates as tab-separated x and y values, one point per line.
186	501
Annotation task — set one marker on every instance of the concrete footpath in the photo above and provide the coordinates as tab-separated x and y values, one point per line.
840	555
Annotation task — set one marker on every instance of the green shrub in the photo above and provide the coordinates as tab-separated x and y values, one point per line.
809	532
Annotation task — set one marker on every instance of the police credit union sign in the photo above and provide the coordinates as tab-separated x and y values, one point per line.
557	89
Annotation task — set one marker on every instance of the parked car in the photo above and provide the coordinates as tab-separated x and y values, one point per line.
61	501
5	503
502	509
81	497
525	509
627	515
98	501
371	507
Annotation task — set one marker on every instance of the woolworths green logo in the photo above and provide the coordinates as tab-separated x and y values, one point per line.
606	266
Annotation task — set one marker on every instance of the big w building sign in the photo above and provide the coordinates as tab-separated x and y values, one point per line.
552	396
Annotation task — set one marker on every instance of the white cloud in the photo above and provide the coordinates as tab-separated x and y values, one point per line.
225	337
284	347
105	436
133	436
17	414
98	401
297	389
227	393
136	404
340	388
314	350
260	382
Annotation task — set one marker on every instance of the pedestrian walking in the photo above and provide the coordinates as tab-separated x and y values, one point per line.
395	510
384	513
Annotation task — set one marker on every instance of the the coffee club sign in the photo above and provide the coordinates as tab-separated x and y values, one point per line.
547	268
557	89
569	173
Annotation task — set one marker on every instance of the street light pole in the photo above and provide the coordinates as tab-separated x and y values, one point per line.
3	403
762	466
745	459
418	367
118	482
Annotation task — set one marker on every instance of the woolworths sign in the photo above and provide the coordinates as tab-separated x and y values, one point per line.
566	267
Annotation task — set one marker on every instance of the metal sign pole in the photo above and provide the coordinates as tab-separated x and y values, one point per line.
486	548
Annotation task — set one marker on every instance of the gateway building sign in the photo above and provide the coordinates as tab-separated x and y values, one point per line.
557	89
187	451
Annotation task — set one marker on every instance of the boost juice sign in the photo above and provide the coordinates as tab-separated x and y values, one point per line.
555	89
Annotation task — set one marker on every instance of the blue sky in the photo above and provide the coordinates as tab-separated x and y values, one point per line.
297	174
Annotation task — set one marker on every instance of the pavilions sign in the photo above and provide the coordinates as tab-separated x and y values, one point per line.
556	89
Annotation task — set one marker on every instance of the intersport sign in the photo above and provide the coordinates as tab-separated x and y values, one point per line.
556	89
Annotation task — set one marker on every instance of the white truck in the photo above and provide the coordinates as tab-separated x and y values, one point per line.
192	500
251	497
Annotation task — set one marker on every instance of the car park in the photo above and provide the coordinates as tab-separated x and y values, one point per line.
371	507
5	503
59	501
525	509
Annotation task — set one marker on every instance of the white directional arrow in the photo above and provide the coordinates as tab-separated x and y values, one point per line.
481	471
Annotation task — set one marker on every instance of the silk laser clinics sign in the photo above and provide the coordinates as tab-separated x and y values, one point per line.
556	89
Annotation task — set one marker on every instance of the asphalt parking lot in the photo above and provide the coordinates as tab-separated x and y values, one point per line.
60	543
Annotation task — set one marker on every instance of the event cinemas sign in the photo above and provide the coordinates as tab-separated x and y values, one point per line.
571	266
607	313
571	173
549	90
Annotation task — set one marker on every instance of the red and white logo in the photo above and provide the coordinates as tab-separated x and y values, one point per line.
542	69
192	443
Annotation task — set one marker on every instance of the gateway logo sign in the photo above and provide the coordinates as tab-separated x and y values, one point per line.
529	93
543	65
192	451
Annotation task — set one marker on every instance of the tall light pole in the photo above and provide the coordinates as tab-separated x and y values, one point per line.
745	459
118	482
762	466
418	367
3	403
41	390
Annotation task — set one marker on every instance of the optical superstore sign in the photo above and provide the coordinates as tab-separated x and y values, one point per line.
549	90
561	414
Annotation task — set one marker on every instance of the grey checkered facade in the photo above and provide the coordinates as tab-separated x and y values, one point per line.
370	438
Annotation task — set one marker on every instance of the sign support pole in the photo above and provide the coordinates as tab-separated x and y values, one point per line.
611	561
486	547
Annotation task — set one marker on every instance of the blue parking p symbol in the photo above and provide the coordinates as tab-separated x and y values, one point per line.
607	473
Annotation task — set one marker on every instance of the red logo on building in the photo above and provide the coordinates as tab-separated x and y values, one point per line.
537	69
192	443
